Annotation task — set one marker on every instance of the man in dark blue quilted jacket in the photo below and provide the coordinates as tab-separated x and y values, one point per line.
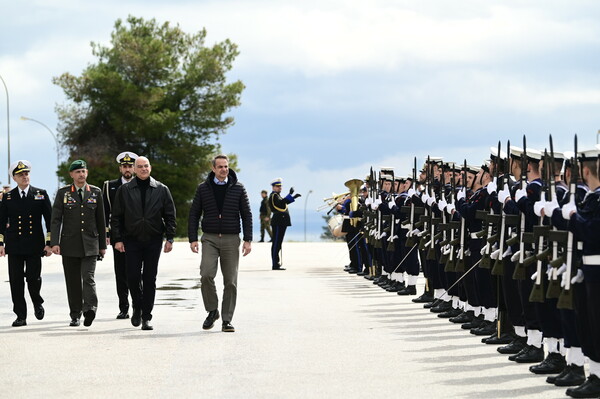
221	201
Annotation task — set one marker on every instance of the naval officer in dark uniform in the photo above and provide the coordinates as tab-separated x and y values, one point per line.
280	220
79	236
22	239
109	190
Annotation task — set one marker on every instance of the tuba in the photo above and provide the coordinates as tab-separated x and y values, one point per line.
354	186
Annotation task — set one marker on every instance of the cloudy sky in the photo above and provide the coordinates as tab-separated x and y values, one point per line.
337	86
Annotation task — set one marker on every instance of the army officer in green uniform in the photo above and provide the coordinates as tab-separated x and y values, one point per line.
78	235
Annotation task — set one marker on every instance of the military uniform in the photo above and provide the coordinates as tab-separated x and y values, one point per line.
265	213
22	235
109	190
280	220
79	229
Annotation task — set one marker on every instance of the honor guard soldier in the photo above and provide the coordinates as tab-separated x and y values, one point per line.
109	190
22	239
79	237
280	220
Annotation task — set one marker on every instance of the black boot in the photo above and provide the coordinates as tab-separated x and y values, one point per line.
589	389
571	376
463	317
530	354
408	290
553	363
514	347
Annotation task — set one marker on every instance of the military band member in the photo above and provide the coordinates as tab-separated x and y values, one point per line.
79	237
22	239
125	160
265	216
280	220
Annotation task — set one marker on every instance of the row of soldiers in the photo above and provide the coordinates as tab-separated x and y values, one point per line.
510	250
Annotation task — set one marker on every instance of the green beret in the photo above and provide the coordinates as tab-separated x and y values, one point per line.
79	164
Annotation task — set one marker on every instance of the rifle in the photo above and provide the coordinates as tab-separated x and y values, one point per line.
425	219
433	222
565	300
391	245
450	263
520	272
491	221
460	262
540	232
498	269
410	241
554	283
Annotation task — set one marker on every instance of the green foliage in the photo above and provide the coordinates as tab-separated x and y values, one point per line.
158	92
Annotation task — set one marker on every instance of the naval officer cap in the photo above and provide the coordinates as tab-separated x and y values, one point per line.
20	167
277	182
78	164
589	155
126	158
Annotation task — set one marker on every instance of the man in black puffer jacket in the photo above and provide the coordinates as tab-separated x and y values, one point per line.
221	201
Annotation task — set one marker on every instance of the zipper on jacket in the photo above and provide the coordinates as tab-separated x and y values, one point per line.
220	222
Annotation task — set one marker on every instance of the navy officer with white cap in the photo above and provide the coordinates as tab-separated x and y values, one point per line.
126	162
22	239
280	219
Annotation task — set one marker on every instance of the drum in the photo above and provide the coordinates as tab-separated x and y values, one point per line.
335	225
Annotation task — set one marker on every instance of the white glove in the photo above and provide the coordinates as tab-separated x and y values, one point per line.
430	201
441	205
506	253
414	232
534	276
411	191
384	234
568	208
492	186
520	194
391	204
494	255
562	269
538	207
484	249
446	249
515	256
460	254
549	207
503	195
461	194
368	201
578	277
424	197
549	272
450	208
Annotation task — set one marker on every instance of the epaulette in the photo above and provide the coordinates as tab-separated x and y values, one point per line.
92	187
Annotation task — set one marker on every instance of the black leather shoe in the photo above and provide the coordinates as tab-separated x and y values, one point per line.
123	315
227	327
363	273
589	389
146	325
38	311
382	280
441	307
74	323
494	339
19	322
463	317
88	317
532	354
571	376
425	298
395	287
553	363
408	290
213	316
352	271
514	347
476	322
136	317
486	328
278	268
449	313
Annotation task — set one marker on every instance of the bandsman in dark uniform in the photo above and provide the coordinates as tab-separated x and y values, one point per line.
125	160
22	239
280	220
79	237
265	216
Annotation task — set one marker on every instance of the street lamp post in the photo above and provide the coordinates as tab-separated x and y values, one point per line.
305	203
7	129
24	118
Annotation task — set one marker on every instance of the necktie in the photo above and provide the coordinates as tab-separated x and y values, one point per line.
80	192
23	194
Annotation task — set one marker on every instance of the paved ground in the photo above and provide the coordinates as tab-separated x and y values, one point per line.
310	331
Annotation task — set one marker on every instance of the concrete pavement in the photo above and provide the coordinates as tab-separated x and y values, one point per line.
309	331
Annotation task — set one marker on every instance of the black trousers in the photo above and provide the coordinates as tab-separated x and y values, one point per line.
121	280
21	268
142	266
278	234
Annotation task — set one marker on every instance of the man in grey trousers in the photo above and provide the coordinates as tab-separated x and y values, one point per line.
221	201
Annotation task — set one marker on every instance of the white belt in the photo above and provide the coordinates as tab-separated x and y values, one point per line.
474	236
580	245
591	260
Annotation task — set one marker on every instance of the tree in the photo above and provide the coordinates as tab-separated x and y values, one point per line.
158	92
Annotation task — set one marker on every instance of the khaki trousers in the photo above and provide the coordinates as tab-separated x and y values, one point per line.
225	247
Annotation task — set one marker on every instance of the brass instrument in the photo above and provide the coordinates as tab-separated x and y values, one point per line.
354	186
332	201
